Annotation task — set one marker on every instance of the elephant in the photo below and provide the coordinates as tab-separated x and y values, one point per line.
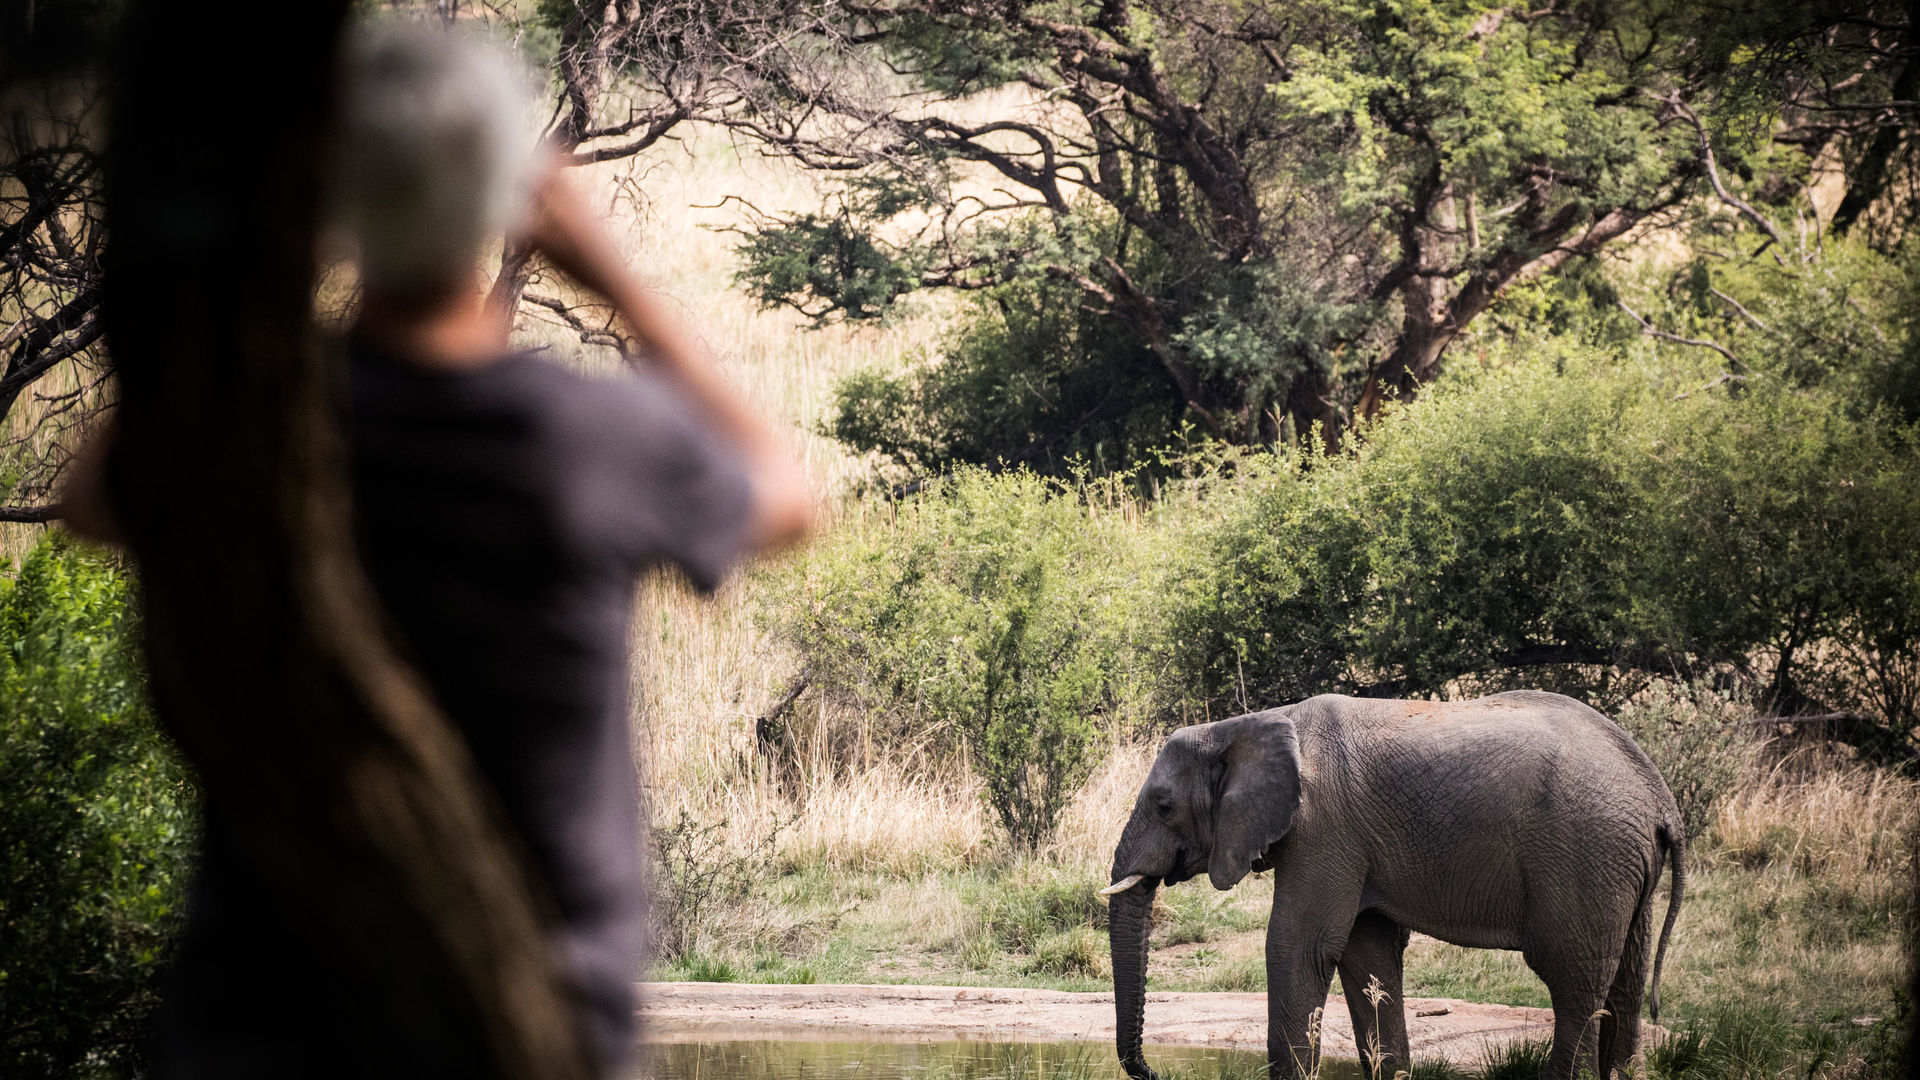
1523	821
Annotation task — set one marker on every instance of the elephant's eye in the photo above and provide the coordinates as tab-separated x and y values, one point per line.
1165	806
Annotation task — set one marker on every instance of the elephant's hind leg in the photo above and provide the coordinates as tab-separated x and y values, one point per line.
1577	977
1620	1028
1375	951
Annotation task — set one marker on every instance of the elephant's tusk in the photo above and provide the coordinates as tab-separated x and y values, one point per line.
1123	884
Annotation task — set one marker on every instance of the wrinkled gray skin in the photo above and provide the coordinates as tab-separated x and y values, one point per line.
1520	821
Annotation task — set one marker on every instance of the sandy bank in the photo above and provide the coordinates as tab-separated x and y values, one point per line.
1458	1031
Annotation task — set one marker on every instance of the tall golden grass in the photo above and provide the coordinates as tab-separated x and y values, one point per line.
1846	825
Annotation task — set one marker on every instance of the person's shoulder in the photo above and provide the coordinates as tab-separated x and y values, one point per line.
592	406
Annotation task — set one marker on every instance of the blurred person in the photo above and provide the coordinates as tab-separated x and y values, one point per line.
505	506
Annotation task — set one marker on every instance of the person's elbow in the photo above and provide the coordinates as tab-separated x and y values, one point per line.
783	506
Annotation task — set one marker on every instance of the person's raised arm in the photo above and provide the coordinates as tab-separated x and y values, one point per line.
564	229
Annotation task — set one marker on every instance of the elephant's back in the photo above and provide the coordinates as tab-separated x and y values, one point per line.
1543	741
1460	801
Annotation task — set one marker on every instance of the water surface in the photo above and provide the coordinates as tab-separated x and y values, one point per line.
711	1056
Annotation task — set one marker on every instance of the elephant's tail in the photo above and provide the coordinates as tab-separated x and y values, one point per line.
1675	839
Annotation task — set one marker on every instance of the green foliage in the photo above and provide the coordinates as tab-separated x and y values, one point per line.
1843	324
1233	230
1409	92
995	617
827	257
96	823
1558	519
1031	379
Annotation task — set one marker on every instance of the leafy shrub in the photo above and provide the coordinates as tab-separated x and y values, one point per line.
1697	739
1032	379
1555	521
96	823
993	619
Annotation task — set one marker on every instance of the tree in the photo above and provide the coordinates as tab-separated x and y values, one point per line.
1839	82
629	74
52	363
1292	209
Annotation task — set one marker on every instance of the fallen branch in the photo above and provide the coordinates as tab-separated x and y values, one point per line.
766	732
30	514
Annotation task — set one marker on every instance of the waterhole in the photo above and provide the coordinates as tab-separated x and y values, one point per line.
713	1055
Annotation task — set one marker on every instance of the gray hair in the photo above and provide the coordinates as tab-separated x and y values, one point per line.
436	152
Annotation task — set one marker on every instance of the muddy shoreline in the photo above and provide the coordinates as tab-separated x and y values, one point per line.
1457	1031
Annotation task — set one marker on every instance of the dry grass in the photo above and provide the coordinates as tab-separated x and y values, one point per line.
1848	826
1804	892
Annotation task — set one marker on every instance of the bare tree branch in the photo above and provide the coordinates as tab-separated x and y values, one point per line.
1651	331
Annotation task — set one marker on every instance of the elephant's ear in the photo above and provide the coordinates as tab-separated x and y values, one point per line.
1259	793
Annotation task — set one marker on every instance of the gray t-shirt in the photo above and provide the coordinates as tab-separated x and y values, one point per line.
504	514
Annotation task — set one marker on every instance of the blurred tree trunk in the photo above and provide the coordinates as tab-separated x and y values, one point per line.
337	781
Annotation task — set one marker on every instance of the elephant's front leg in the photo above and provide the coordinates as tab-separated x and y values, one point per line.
1370	973
1305	936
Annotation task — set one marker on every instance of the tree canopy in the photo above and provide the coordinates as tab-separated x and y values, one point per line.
1258	218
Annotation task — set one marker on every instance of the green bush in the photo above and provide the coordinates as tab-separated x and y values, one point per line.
994	618
96	823
1555	521
1032	379
702	876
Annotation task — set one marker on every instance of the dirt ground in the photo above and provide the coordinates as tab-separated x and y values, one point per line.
1458	1031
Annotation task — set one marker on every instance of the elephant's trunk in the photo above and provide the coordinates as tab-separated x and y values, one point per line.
1129	918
